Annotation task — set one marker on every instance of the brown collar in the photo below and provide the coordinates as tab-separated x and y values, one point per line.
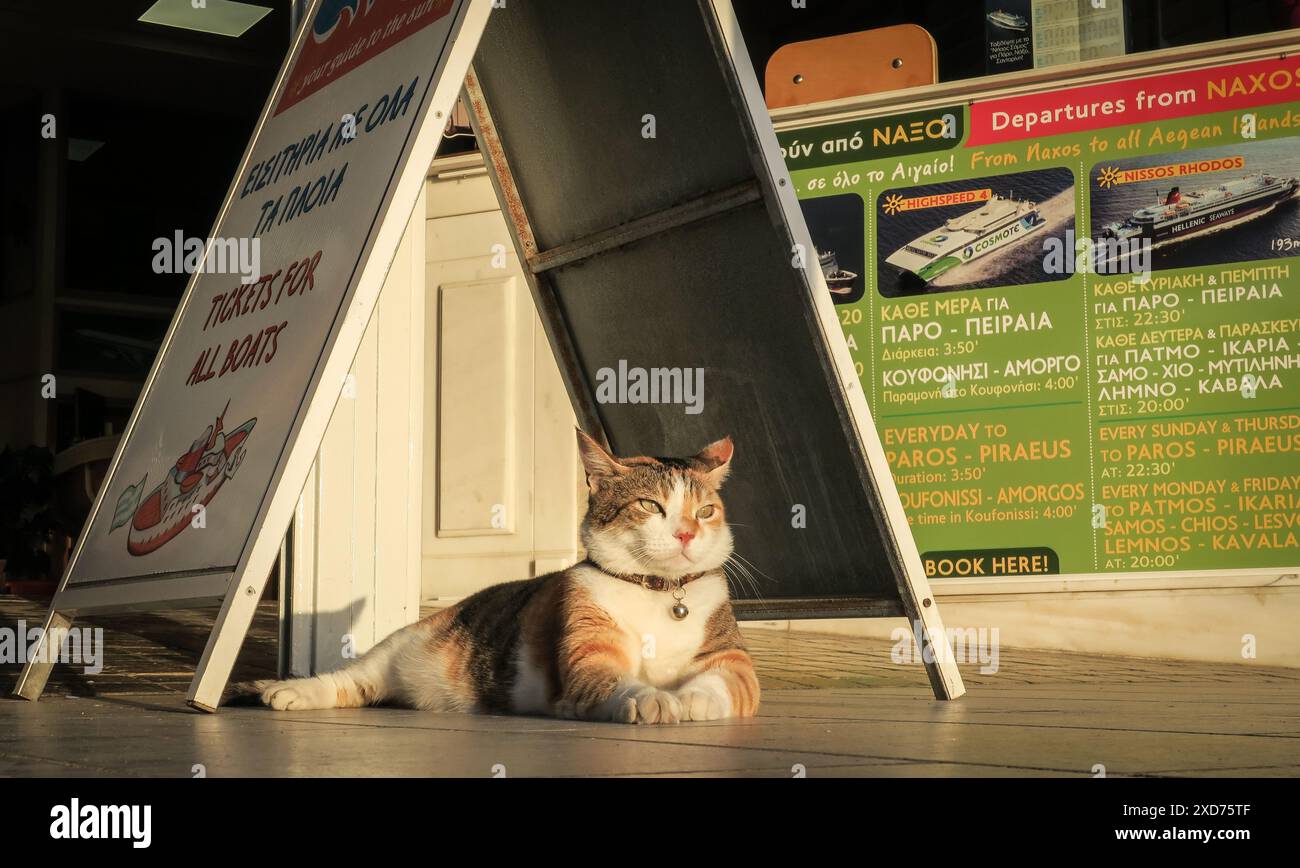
653	583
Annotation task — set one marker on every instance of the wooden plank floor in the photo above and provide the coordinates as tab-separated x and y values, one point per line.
833	706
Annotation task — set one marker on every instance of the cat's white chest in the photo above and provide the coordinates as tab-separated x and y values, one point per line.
661	646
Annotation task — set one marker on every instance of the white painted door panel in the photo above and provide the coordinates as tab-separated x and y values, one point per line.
501	498
478	444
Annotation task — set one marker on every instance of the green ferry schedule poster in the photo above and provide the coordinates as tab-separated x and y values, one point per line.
1076	318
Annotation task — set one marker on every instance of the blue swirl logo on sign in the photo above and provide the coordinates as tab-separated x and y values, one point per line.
330	15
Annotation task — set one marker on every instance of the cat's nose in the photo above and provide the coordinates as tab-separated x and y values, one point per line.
685	537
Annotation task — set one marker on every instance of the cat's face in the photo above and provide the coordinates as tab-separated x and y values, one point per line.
656	516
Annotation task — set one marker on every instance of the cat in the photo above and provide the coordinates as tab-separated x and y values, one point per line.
642	631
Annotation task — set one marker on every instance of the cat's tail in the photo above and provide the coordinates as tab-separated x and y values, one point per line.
368	680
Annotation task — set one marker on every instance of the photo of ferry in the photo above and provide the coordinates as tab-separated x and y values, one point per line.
1007	20
836	225
838	281
1246	206
1197	212
971	234
997	223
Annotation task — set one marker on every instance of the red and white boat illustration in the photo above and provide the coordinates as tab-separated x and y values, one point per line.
195	478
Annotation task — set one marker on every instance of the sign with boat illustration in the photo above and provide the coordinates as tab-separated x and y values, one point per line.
196	502
1078	332
245	355
180	500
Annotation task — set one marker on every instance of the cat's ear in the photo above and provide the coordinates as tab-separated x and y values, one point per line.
715	460
598	463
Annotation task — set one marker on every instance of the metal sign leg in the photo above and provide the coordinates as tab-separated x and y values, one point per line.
224	642
36	672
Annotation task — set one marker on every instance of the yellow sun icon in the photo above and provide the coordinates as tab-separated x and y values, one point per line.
893	203
1109	177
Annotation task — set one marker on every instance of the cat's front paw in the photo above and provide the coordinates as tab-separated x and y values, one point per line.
300	694
701	705
656	706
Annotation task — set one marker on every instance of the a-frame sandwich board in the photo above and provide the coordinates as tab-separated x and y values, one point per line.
662	239
549	74
204	482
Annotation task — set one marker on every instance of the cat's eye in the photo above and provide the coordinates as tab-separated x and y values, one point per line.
705	511
650	506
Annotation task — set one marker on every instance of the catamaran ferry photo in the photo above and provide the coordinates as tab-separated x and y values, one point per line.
1179	216
958	235
997	223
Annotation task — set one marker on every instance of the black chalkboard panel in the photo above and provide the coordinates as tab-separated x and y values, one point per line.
588	153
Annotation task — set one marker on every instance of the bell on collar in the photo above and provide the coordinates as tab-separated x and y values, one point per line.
679	610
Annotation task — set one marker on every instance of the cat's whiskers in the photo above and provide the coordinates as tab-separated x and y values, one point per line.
752	566
737	574
744	570
733	579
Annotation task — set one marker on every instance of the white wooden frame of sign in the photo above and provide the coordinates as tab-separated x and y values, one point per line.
913	585
1100	71
239	590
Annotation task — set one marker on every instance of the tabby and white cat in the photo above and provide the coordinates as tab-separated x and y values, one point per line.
640	632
